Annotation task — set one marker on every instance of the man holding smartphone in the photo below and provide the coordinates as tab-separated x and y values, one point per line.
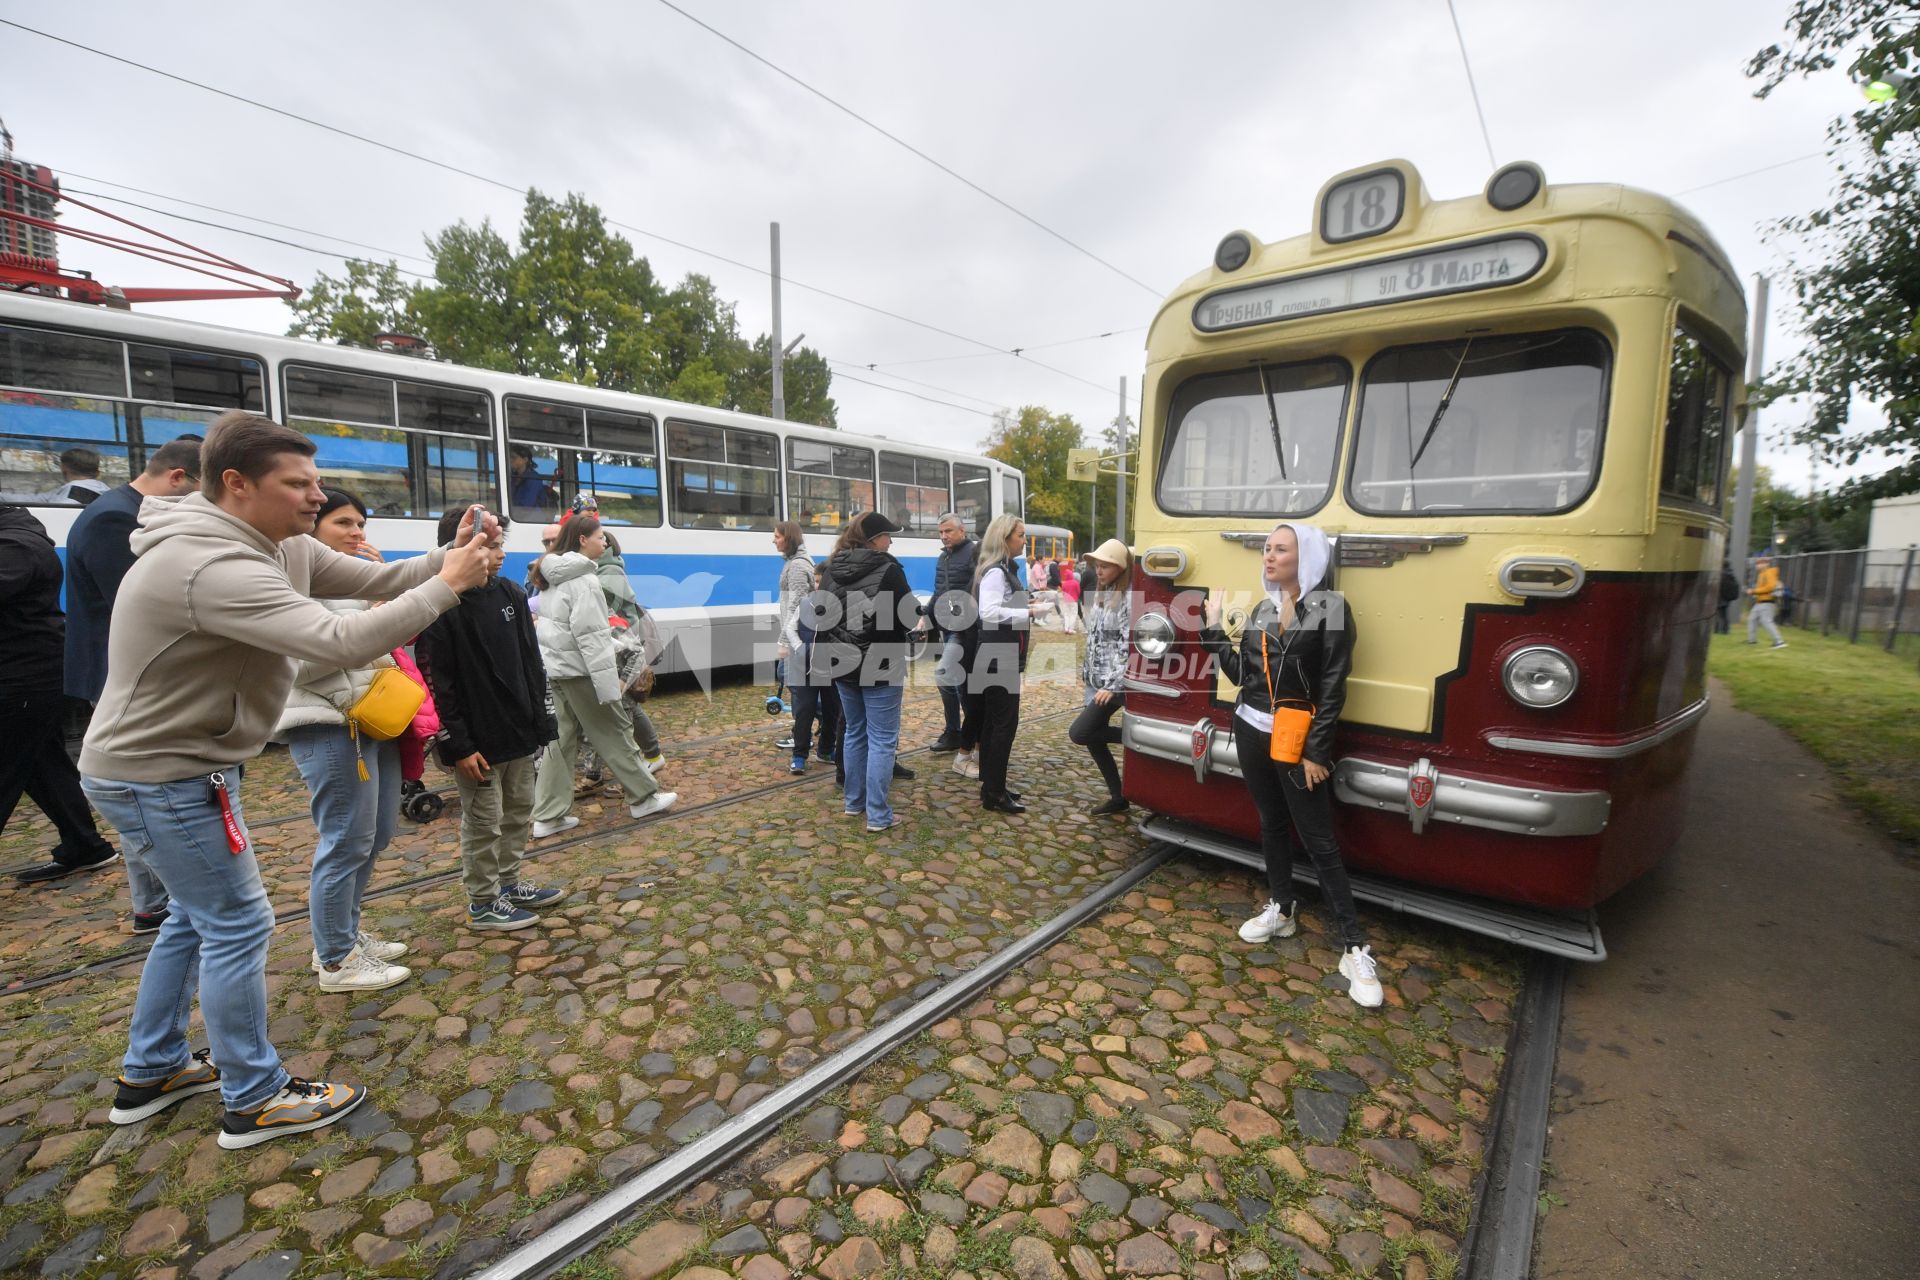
222	600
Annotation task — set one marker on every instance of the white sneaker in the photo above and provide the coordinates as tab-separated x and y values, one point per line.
961	759
658	802
1363	983
361	972
541	830
380	949
1272	922
656	763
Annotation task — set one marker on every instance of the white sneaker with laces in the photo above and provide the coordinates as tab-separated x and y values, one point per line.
381	949
658	802
1272	922
361	972
1363	980
541	830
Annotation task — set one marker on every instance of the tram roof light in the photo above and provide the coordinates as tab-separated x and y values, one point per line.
1515	185
1234	251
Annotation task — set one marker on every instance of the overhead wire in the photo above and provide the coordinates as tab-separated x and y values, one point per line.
1472	87
898	141
1752	173
516	188
902	391
871	368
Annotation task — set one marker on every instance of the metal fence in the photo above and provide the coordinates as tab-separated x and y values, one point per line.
1868	596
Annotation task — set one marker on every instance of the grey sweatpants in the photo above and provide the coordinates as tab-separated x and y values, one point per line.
582	715
495	819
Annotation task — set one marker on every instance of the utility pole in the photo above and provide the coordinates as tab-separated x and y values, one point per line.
1120	519
1750	434
778	353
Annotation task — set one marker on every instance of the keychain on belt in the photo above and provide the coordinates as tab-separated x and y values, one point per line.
236	838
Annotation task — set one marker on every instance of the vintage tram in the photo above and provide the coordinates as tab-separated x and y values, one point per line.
1513	412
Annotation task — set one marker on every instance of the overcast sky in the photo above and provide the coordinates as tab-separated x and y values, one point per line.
1141	131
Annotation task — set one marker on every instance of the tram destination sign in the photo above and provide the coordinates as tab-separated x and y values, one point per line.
1484	264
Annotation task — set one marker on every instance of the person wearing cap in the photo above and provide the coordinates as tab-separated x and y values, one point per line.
869	611
1103	668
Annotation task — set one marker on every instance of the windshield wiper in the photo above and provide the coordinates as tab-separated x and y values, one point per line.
1440	410
1273	421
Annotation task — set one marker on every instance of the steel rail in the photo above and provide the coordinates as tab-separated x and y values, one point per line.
571	1237
127	955
1499	1243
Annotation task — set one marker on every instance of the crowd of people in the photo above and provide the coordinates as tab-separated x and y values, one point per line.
226	567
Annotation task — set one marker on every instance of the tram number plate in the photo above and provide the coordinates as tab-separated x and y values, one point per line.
1486	264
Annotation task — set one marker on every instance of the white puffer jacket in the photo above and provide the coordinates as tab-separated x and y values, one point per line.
322	694
575	638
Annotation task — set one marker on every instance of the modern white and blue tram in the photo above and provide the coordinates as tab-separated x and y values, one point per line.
691	493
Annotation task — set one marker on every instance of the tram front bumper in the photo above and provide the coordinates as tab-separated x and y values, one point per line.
1420	791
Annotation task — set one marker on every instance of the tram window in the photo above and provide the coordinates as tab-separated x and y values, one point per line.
622	468
370	462
1520	435
333	394
36	429
1012	496
723	477
973	496
1694	460
538	476
1241	445
195	377
424	407
827	484
536	422
45	361
913	492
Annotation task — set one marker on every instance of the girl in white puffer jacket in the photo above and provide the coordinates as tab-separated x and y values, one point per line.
577	645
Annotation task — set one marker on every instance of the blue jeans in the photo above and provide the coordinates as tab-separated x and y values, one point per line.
356	820
220	925
872	717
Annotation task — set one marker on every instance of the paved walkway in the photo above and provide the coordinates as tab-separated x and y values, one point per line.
1736	1092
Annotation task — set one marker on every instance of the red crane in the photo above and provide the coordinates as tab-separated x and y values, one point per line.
29	196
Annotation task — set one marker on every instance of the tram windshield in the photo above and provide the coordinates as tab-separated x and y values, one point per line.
1255	442
1520	432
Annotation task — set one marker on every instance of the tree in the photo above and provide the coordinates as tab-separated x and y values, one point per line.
1857	272
573	303
1037	442
1776	508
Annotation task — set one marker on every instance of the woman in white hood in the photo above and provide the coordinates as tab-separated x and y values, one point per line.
1295	652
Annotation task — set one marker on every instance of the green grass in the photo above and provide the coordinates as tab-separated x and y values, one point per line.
1854	706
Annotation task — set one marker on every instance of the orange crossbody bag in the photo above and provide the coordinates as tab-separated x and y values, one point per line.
1290	724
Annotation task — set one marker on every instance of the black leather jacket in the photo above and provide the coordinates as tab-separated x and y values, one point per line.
1309	662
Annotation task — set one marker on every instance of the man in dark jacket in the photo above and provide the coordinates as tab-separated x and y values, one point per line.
483	664
32	707
954	616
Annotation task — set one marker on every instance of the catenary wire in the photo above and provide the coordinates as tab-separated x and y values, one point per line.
949	391
898	141
1752	173
1472	87
514	187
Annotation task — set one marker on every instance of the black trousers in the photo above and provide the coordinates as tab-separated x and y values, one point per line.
1291	815
813	704
1094	729
35	763
999	721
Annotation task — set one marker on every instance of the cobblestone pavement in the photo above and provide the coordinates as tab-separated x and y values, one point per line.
1149	1097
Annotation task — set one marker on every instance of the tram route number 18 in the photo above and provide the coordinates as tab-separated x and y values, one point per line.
1362	207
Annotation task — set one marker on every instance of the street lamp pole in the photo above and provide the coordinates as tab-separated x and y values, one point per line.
1750	434
779	390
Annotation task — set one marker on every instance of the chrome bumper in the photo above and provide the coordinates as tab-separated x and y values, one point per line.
1420	791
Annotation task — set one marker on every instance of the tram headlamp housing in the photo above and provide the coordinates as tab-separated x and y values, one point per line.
1153	634
1540	676
1515	185
1233	252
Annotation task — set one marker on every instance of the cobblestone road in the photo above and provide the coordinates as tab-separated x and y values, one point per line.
1149	1097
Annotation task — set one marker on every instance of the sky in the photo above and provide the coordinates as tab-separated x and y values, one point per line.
1141	132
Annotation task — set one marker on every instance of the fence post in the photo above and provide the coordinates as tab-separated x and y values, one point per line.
1899	602
1803	566
1859	596
1826	606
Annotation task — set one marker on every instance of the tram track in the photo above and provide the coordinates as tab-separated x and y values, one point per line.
127	955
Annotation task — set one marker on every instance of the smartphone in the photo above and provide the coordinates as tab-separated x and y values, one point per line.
479	514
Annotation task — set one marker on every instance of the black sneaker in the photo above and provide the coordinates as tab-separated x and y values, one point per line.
56	869
1116	805
300	1107
138	1101
902	772
149	923
944	743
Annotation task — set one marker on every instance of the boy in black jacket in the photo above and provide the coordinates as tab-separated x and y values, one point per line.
483	664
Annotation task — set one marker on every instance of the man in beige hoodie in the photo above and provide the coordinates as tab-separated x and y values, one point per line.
207	628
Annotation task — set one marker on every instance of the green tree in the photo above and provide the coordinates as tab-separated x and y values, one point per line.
573	302
1856	277
1037	442
1776	508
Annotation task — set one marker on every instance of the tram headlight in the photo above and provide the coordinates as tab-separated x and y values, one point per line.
1153	634
1540	676
1233	252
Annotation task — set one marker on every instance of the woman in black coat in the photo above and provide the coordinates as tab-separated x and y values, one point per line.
1295	650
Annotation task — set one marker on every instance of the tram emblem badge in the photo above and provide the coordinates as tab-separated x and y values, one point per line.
1420	784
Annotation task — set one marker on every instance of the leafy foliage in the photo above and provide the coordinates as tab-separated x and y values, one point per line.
1857	278
1037	442
573	303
